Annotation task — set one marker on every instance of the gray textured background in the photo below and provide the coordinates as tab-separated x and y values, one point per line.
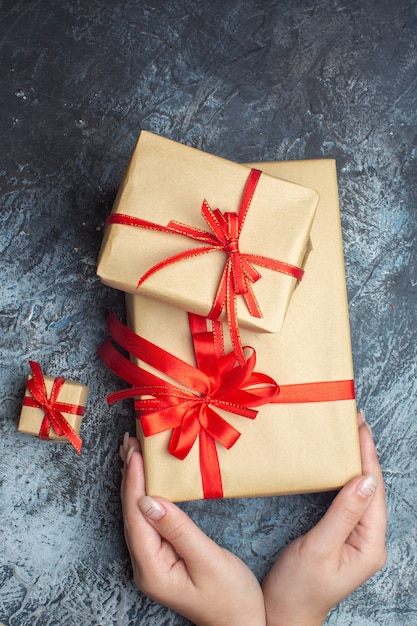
248	80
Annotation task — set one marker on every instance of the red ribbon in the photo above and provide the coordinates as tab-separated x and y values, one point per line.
217	383
238	272
52	408
325	391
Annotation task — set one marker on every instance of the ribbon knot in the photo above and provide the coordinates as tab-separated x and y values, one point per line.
229	231
232	246
46	405
206	399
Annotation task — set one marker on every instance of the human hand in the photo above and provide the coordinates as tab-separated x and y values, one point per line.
176	564
347	546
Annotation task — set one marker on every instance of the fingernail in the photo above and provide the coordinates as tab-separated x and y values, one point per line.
367	486
369	428
151	508
122	453
362	421
132	449
126	438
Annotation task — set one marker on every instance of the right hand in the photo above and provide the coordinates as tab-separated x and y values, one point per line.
346	547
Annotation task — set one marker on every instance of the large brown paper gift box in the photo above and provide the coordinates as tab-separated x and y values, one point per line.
288	448
166	181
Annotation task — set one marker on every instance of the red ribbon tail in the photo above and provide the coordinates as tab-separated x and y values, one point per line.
211	478
231	308
181	256
45	428
252	303
64	429
247	195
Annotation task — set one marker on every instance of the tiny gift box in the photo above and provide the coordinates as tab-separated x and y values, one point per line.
302	439
53	407
177	204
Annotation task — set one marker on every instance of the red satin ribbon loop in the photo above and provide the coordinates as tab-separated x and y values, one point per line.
238	272
53	409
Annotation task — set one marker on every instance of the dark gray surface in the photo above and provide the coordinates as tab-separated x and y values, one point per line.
248	80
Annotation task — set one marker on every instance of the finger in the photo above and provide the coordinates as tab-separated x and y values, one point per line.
344	513
370	462
376	515
123	450
362	499
142	539
189	542
128	442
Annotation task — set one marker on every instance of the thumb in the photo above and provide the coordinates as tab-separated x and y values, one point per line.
345	512
178	529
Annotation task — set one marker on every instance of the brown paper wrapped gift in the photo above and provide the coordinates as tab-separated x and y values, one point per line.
70	403
168	181
288	448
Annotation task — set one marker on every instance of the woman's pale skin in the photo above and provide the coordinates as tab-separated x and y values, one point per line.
177	565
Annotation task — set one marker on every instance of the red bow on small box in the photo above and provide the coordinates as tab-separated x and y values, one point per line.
190	409
238	272
52	408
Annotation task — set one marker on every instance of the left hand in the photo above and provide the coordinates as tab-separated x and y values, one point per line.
176	564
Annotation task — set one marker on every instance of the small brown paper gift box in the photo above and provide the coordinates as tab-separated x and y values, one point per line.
70	402
168	181
288	448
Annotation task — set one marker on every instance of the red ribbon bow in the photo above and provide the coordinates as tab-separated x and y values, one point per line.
218	383
238	272
52	408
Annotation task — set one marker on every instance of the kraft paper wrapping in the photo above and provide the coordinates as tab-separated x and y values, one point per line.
287	449
167	181
72	393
